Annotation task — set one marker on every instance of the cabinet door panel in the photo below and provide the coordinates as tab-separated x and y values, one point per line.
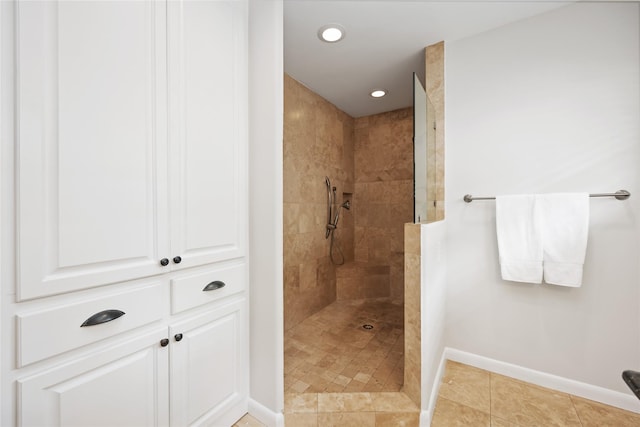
208	368
123	386
91	146
208	116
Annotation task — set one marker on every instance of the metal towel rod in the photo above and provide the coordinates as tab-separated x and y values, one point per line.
620	195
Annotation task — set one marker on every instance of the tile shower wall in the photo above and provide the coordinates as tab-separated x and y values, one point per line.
318	142
368	159
383	198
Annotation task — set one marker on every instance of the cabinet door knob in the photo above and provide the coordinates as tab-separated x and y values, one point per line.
177	259
214	285
102	317
164	342
178	337
164	262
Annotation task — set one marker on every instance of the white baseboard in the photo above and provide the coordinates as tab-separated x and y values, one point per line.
426	415
565	385
425	418
265	415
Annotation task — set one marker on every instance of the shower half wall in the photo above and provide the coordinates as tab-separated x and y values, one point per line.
369	160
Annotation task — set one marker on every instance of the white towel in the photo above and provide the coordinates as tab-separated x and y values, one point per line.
564	222
519	238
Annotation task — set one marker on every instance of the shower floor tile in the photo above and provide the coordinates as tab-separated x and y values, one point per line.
331	351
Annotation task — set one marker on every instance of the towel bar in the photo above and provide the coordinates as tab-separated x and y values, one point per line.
620	195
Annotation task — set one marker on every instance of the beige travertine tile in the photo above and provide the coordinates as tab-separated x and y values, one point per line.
594	414
318	141
299	386
354	387
377	286
345	402
301	420
452	414
348	288
529	405
321	140
248	421
373	385
467	385
362	377
518	404
499	422
412	329
329	349
412	239
347	419
397	419
334	388
342	380
300	402
393	402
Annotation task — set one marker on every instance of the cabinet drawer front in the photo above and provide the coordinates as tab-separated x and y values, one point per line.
201	288
48	332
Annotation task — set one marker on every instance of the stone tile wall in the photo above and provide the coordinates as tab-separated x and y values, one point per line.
370	161
412	327
383	198
318	142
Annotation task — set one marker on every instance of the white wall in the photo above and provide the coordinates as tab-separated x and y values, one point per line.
432	311
549	104
265	208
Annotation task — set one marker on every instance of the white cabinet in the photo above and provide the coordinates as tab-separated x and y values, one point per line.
193	373
130	196
208	368
207	116
91	143
116	172
126	385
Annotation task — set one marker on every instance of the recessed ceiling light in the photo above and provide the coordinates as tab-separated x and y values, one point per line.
331	33
378	93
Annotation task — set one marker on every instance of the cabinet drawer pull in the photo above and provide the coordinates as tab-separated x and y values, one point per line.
214	285
103	317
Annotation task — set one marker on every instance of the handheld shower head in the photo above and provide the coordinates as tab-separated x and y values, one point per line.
346	205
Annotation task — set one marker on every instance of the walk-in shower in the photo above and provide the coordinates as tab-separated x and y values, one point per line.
333	214
343	251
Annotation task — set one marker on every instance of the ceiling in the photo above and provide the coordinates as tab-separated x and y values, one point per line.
384	43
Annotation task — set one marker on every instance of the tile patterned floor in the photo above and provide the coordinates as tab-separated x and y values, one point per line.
473	397
331	351
350	409
339	374
468	397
